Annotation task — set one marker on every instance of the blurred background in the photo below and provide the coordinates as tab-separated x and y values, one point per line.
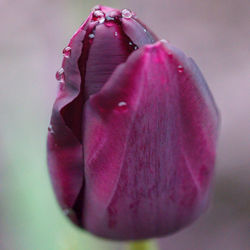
215	33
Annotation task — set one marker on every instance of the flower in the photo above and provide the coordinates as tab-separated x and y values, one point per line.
132	138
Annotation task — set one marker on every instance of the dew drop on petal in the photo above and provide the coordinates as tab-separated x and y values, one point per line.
122	106
109	18
170	54
130	43
126	13
136	47
67	211
145	30
101	20
91	36
60	75
180	69
116	34
98	13
50	129
99	16
67	52
164	41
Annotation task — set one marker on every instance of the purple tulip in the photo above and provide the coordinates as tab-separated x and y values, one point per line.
131	145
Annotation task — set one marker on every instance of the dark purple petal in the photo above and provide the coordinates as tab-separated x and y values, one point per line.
132	139
110	47
149	147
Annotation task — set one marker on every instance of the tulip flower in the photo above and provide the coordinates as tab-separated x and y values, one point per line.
132	138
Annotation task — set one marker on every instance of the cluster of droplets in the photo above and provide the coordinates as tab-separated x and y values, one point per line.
60	77
135	46
98	15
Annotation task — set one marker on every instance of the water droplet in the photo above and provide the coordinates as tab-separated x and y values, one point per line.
67	52
109	18
116	34
170	54
50	129
91	36
60	75
145	30
99	16
136	47
68	211
180	69
164	41
122	106
98	13
102	20
127	13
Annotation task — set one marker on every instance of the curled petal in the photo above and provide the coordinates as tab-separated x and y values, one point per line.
65	158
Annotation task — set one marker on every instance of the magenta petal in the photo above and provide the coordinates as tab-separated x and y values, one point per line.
149	147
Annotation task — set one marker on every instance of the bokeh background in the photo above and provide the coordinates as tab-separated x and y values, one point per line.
215	33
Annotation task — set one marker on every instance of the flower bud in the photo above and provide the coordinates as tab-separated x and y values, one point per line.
131	145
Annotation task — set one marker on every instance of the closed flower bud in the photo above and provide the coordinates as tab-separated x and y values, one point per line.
132	138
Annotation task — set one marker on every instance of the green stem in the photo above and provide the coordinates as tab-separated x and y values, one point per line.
142	245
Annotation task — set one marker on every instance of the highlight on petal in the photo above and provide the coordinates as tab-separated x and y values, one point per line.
149	147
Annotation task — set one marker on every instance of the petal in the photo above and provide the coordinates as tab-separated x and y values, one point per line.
110	47
149	147
138	32
64	150
110	44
